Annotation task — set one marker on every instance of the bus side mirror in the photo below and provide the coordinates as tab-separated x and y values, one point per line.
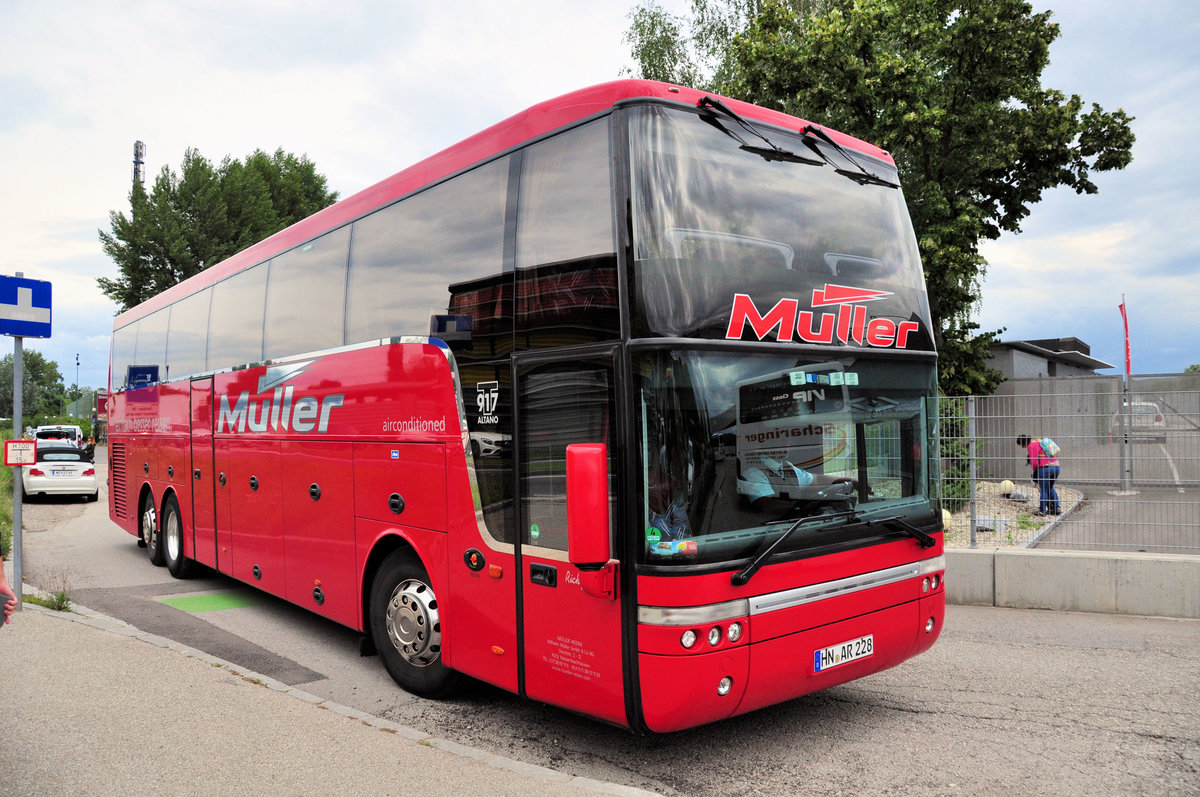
587	505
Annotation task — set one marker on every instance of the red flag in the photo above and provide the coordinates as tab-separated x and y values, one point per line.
1125	318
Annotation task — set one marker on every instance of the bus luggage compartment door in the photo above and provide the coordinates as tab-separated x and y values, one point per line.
252	485
203	492
318	529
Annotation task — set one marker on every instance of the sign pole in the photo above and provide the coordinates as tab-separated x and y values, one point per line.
18	396
18	428
1126	460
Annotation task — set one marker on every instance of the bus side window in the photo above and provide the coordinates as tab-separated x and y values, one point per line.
236	327
187	336
124	345
560	404
405	258
306	296
565	256
151	353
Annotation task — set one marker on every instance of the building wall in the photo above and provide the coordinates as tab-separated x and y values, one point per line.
1027	366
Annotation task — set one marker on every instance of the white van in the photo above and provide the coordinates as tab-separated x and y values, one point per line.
70	434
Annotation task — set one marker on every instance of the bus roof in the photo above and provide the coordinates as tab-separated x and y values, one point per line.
525	126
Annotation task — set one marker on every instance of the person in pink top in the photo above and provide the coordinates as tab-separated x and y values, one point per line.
1045	472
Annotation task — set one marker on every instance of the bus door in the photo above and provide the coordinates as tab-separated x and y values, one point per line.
571	637
204	540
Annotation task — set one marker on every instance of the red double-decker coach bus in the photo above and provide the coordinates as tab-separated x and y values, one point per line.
625	404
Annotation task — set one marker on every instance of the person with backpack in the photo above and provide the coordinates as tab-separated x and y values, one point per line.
1042	457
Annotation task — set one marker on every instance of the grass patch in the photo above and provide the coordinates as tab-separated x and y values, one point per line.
58	602
6	511
1027	522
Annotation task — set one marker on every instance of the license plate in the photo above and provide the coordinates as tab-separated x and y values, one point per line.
60	473
843	653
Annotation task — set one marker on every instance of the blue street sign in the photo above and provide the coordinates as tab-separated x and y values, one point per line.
24	307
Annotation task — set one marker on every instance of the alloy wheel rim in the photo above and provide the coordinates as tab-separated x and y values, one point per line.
412	623
174	539
149	525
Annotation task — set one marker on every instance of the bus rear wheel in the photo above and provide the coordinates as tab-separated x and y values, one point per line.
172	540
150	538
406	627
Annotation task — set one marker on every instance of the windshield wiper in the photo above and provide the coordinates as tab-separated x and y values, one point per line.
863	176
771	152
740	578
778	154
899	524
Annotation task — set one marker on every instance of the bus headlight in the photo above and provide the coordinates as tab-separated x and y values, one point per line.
724	685
734	633
714	635
688	638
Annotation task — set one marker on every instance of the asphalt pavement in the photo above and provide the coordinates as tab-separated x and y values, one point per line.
93	706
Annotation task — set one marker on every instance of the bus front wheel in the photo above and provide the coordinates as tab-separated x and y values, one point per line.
406	627
150	538
172	540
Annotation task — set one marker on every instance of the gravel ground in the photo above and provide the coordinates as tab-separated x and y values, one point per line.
1006	519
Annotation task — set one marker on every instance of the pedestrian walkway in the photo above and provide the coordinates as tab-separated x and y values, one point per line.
93	706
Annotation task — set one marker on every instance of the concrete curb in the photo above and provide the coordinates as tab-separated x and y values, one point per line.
86	616
1045	530
1156	585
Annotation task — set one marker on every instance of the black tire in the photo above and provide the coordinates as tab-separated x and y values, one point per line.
172	540
150	537
406	628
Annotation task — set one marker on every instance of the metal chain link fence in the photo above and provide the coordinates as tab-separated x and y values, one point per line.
1130	462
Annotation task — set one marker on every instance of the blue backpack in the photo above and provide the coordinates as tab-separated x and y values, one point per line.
1050	447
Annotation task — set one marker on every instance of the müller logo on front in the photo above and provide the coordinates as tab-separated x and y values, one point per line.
849	324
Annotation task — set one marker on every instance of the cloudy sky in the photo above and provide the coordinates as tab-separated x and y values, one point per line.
366	88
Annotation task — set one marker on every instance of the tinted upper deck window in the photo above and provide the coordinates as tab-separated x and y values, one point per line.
236	329
306	296
404	258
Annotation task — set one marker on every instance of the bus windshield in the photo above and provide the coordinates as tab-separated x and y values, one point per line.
737	447
715	220
774	242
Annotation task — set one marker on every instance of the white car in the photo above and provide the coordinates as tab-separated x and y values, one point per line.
1141	418
61	469
490	444
70	434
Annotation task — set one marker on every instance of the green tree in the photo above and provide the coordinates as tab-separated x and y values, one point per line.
42	391
203	215
952	88
694	51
